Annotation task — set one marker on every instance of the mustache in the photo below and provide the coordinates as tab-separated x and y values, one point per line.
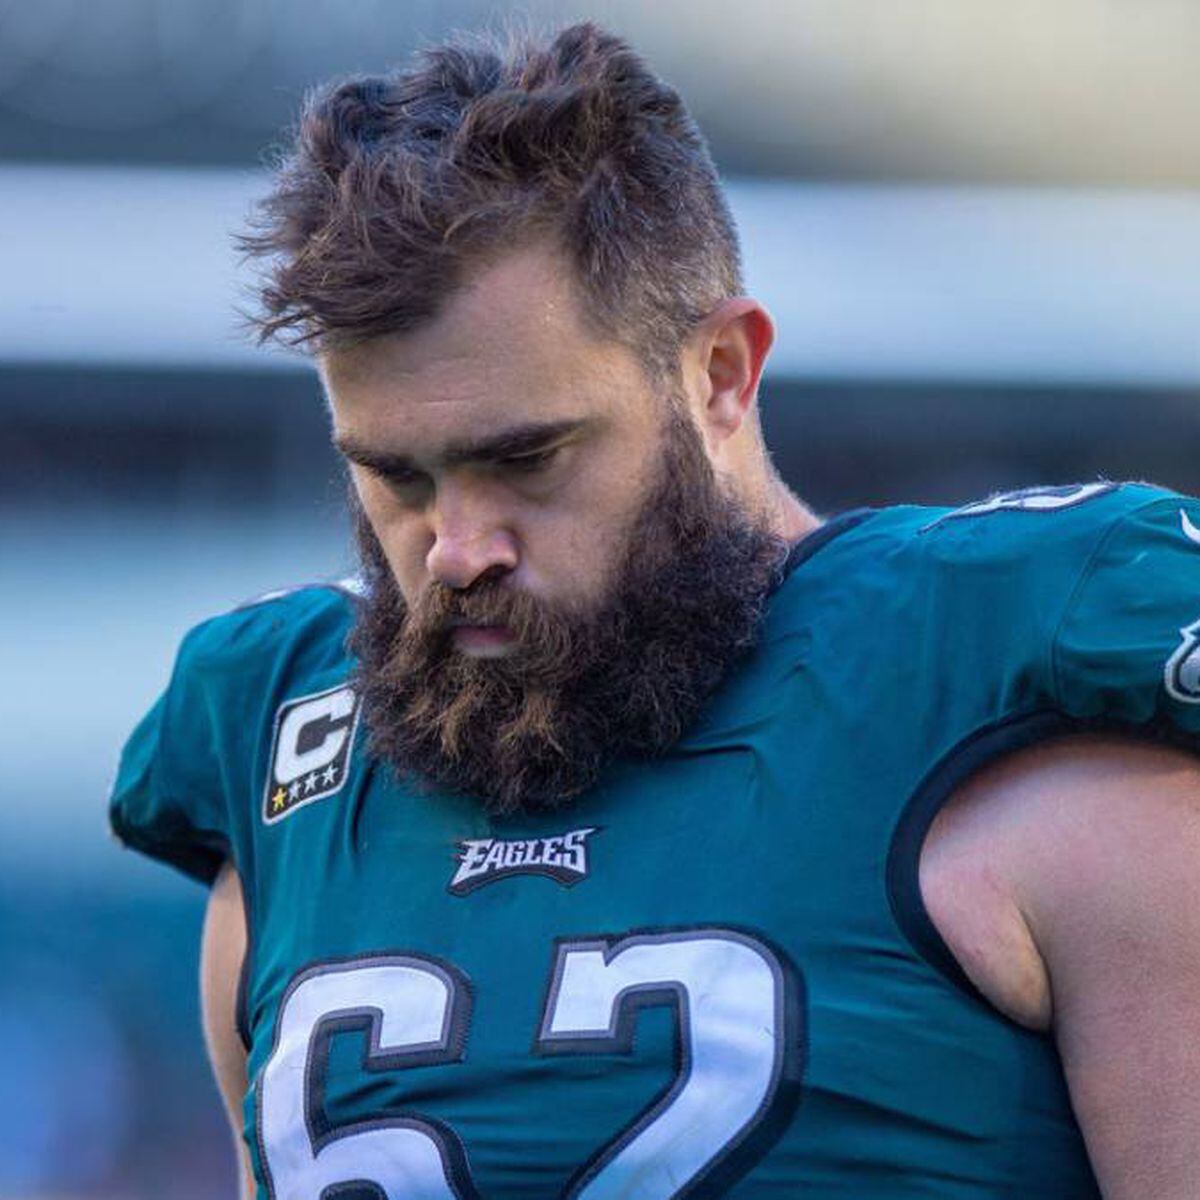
544	637
440	608
484	603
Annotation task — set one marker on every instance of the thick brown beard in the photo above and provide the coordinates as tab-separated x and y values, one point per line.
531	729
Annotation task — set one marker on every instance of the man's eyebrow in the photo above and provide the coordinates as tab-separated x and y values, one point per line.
508	443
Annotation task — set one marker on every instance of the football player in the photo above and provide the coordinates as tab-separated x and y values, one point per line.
626	830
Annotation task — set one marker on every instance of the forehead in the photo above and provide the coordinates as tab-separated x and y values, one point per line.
511	347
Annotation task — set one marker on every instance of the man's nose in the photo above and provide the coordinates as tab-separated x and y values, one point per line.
471	537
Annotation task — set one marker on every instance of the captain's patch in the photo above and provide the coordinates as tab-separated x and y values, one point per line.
482	860
310	751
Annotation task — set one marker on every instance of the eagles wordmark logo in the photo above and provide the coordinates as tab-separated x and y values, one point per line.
482	860
310	750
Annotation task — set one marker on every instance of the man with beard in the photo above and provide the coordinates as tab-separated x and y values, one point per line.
627	674
634	833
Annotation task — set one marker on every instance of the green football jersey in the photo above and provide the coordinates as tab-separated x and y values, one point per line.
713	973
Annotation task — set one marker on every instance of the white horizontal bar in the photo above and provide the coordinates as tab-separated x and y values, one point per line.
989	284
135	267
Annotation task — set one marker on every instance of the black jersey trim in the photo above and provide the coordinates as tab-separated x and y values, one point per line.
197	853
820	537
988	743
242	1003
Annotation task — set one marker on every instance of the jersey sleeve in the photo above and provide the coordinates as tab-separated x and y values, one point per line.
168	798
1127	648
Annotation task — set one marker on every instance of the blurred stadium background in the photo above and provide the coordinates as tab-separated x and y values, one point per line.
978	225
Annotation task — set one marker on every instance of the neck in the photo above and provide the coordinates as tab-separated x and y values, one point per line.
750	474
790	517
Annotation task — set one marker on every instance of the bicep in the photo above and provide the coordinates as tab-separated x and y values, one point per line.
222	952
1110	885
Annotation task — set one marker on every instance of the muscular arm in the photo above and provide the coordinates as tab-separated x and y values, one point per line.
1067	881
223	947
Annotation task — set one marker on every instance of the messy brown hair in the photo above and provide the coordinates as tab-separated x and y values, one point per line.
396	186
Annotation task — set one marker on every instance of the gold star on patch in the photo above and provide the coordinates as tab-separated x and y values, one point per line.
278	800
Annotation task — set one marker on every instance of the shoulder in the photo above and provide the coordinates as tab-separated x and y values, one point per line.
1033	616
1010	576
186	770
235	671
307	623
1099	582
1038	524
1002	539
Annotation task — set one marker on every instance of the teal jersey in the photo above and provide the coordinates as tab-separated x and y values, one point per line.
713	973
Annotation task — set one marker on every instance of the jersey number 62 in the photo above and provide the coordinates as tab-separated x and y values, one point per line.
738	1006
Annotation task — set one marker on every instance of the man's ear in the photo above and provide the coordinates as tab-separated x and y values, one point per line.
729	348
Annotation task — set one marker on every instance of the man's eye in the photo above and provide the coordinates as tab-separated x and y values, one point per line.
528	463
406	483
